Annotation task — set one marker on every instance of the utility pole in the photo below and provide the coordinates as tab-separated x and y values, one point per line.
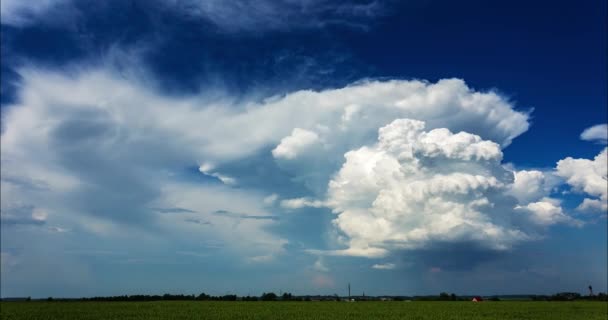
349	291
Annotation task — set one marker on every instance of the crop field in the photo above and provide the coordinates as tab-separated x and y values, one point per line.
303	310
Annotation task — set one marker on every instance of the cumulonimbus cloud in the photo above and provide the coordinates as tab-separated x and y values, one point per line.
433	175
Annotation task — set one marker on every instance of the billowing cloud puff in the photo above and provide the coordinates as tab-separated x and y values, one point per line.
597	133
527	184
547	211
416	187
531	185
350	117
588	176
293	144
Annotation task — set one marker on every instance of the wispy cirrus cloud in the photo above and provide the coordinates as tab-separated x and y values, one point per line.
225	16
281	15
21	13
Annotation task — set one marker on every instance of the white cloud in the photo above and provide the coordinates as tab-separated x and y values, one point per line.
547	212
597	133
385	266
98	150
348	118
208	170
132	109
271	199
591	205
415	187
298	141
588	176
320	266
298	203
532	185
358	251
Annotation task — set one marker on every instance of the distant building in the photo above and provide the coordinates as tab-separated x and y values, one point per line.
477	299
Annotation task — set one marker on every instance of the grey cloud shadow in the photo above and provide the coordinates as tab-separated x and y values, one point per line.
25	183
173	210
458	256
21	215
197	221
113	186
13	221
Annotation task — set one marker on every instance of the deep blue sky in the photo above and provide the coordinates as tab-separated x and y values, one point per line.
546	58
549	56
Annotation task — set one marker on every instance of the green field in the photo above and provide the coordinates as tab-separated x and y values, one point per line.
304	310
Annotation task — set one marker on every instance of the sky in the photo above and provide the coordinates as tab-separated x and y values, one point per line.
404	147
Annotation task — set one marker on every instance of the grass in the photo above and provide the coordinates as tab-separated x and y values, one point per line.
304	310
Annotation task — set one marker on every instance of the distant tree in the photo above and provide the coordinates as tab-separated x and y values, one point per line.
229	297
250	298
270	296
203	296
286	296
565	296
444	296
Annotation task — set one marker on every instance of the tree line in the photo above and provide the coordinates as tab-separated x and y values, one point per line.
271	296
